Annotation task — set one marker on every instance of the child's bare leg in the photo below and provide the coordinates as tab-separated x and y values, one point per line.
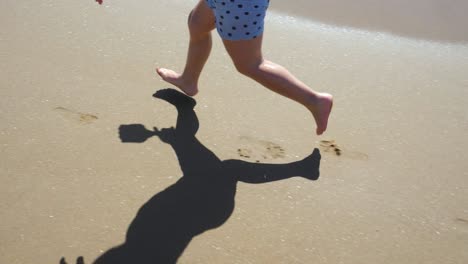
201	22
248	59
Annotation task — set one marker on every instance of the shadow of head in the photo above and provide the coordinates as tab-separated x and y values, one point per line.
134	133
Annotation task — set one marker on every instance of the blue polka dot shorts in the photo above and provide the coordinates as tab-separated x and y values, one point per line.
239	19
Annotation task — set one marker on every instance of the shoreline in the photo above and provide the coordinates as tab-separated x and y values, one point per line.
422	19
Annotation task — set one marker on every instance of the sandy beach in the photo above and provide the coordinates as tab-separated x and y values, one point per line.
92	169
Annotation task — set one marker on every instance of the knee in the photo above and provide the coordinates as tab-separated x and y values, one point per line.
250	69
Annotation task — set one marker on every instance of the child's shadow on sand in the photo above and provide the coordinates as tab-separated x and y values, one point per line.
201	200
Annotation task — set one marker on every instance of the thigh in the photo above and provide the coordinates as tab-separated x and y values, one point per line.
202	17
245	53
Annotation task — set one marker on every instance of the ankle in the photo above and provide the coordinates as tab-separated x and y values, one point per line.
188	80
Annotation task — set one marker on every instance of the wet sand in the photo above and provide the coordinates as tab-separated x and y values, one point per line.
77	79
443	21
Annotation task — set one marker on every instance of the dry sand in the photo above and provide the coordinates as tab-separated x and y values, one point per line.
73	72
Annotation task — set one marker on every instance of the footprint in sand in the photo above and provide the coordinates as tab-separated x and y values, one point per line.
331	146
244	153
259	150
76	116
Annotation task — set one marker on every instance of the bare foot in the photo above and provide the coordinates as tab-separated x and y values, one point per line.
176	79
321	110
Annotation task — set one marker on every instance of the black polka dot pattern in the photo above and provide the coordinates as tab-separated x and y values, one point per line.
239	19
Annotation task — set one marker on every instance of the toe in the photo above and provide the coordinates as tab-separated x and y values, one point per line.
159	71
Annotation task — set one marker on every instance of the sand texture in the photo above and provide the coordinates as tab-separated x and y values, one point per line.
102	162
